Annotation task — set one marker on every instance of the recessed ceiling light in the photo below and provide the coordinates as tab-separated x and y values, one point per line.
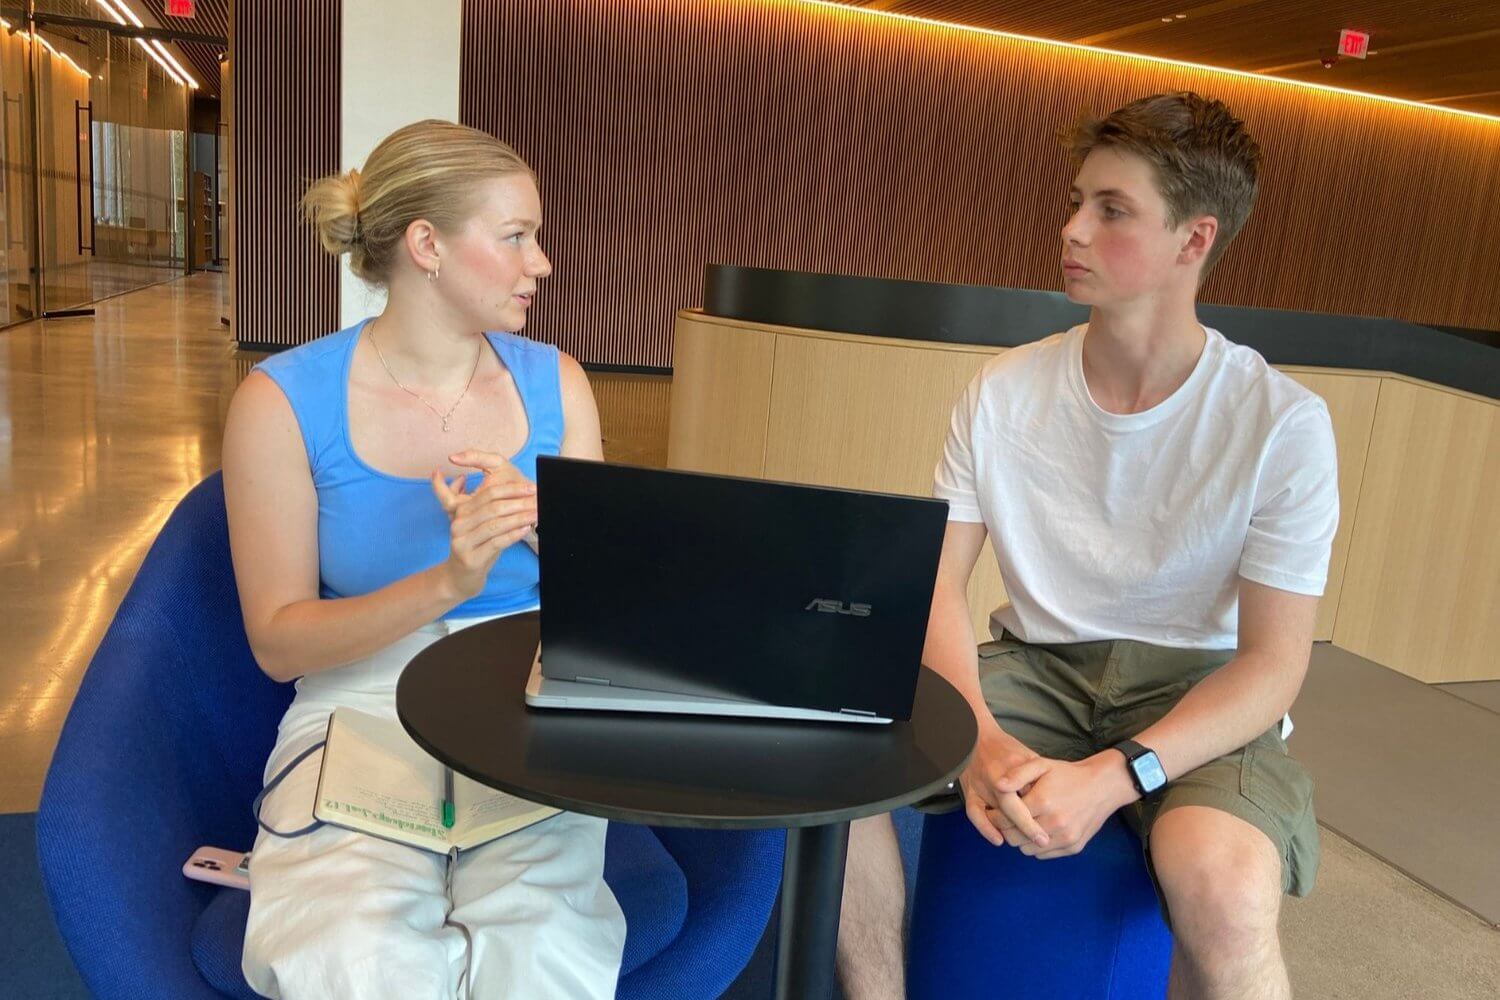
1166	20
1181	16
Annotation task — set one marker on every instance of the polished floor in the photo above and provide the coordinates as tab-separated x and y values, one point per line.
105	422
79	284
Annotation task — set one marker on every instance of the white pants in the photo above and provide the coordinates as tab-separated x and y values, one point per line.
338	914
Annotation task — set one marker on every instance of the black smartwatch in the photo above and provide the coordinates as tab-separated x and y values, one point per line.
1145	767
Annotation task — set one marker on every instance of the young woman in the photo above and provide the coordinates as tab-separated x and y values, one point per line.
379	490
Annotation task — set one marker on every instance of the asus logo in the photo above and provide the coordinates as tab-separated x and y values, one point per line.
838	608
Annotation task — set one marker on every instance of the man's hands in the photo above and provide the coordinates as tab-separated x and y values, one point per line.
991	810
1046	808
1068	801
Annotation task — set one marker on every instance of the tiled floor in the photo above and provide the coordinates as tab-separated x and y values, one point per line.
106	422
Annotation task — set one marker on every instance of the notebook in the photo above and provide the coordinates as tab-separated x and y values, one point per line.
375	779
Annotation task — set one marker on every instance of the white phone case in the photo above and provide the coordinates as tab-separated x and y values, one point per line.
221	867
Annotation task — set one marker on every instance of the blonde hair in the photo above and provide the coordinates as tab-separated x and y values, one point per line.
427	170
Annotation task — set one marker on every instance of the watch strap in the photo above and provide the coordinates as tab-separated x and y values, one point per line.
1133	752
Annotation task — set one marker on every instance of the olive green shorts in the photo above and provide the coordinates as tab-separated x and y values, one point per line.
1070	701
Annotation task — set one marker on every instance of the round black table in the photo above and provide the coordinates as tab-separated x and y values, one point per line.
462	700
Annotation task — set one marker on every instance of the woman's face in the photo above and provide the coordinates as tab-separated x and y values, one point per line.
490	269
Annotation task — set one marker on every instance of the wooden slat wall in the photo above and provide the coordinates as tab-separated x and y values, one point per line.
672	133
286	121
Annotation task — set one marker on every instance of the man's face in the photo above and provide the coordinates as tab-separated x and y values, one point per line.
1117	247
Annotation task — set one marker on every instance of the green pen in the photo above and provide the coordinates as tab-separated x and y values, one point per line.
448	798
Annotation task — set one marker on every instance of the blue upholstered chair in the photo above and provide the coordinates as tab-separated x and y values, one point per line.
162	753
991	923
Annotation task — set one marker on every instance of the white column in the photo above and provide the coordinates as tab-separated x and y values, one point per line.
399	64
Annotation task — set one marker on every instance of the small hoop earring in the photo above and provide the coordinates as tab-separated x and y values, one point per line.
433	274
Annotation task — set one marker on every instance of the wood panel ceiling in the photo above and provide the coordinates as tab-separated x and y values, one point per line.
1442	51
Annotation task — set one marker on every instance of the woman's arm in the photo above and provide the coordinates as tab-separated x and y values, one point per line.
581	437
273	538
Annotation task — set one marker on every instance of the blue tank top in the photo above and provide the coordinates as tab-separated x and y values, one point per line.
375	528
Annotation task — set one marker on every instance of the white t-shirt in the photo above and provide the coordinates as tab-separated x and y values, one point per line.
1139	526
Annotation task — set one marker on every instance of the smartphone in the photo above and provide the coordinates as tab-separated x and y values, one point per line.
221	867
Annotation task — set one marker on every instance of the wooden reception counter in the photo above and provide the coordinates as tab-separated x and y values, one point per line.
1414	581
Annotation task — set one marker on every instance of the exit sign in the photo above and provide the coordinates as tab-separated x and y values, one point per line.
180	8
1354	43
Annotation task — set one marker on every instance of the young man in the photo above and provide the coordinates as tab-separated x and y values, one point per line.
1162	504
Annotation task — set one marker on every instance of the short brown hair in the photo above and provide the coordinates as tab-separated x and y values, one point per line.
1204	160
427	170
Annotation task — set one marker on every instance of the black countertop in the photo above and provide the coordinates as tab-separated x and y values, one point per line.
1008	317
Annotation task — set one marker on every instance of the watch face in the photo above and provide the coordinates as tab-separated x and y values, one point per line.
1148	772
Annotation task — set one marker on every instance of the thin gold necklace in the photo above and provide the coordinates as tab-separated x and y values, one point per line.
444	417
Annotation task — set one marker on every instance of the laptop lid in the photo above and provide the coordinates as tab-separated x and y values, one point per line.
735	588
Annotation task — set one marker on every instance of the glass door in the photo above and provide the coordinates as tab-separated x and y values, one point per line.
63	110
111	160
95	154
18	301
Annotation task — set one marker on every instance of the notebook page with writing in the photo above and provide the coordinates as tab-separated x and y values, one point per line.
485	813
376	780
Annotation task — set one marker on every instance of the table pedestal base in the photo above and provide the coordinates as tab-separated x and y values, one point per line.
812	890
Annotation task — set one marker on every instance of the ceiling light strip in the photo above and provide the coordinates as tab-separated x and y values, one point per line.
153	48
1157	60
165	54
109	7
125	7
160	62
28	36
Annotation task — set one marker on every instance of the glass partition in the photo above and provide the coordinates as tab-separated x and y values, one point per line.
94	160
17	291
111	164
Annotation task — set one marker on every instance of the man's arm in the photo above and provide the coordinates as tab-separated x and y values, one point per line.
1222	713
950	651
950	646
1245	697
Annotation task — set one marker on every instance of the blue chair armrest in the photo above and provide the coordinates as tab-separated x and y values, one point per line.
116	824
733	877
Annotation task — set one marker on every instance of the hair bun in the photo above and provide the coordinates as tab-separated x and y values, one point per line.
332	206
353	186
